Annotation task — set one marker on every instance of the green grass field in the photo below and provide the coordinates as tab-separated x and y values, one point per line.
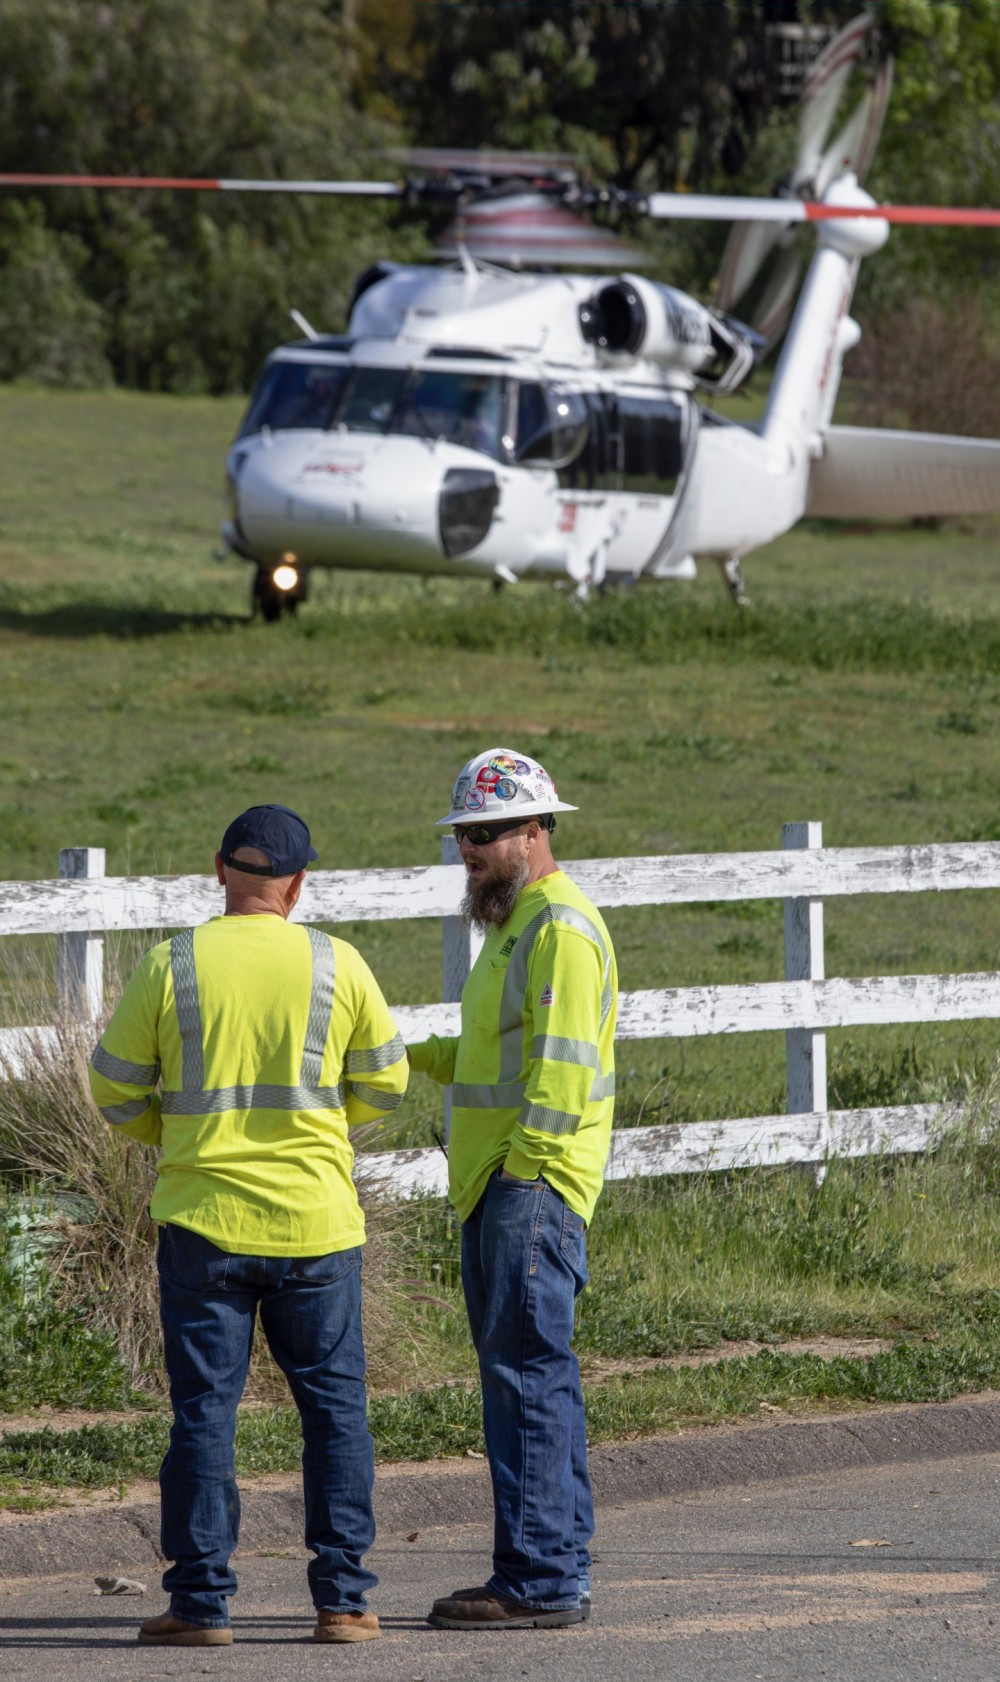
143	708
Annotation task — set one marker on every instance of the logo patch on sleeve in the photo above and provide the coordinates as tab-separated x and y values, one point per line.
546	996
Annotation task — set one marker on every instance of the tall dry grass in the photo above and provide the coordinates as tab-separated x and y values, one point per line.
53	1139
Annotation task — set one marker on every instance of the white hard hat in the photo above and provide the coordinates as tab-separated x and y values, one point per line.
502	783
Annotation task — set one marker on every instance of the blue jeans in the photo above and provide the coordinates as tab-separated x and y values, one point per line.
523	1266
310	1310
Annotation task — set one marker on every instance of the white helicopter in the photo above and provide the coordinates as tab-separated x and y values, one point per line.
478	420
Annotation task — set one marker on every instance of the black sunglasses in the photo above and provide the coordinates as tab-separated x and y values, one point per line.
481	834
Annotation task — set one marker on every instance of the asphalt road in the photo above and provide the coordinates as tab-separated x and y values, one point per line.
751	1583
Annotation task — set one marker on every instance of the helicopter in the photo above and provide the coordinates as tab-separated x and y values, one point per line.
509	414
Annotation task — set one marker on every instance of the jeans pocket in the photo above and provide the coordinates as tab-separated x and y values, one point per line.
573	1239
324	1270
512	1183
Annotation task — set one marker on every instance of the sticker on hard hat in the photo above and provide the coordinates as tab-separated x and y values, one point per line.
475	799
506	788
487	779
461	789
503	762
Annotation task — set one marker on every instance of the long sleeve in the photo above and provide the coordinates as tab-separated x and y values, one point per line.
375	1065
125	1066
567	986
435	1056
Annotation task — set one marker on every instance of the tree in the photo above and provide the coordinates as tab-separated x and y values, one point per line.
182	291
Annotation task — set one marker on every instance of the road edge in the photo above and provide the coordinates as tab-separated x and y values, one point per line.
98	1539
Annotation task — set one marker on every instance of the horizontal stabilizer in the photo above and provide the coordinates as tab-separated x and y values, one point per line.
867	473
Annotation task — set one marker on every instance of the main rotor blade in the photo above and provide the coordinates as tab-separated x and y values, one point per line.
683	207
706	207
368	189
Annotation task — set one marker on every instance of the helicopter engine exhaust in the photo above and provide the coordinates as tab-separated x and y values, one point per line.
633	317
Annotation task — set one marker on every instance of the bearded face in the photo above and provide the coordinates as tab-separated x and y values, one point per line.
494	884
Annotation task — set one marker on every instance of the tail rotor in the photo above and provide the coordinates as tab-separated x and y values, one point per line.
761	266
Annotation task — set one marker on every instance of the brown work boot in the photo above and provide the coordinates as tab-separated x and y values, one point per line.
168	1631
345	1626
482	1609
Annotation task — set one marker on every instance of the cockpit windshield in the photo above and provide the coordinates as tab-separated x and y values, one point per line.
459	408
498	415
295	394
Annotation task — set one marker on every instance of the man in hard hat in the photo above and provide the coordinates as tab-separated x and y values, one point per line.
269	1040
532	1078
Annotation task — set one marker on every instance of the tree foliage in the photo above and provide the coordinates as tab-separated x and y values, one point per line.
180	291
187	291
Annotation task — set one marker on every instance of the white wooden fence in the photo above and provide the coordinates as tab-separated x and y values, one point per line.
83	904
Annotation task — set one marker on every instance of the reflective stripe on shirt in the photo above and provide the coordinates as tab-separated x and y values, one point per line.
119	1114
559	1049
481	1097
197	1099
214	1100
516	985
376	1100
119	1069
376	1057
320	1006
188	1009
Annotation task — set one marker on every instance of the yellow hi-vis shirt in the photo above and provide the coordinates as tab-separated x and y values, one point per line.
269	1040
532	1072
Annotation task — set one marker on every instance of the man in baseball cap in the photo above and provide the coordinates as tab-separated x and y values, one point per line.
246	1048
277	832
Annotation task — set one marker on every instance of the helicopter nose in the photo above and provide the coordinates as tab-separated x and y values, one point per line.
345	501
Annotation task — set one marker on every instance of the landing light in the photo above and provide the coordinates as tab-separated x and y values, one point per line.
285	577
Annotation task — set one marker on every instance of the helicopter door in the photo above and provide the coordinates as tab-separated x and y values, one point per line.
651	436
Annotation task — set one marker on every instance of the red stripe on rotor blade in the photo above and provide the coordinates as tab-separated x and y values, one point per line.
914	215
108	181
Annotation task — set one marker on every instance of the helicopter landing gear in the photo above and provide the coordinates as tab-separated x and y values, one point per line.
734	581
278	590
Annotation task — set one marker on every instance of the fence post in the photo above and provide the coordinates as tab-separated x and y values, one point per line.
80	956
460	949
805	1051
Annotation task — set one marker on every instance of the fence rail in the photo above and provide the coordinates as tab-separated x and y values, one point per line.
83	904
99	904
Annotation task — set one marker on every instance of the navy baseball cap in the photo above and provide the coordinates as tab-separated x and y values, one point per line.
275	830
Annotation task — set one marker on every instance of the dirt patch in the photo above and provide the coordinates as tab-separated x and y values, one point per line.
598	1367
595	1368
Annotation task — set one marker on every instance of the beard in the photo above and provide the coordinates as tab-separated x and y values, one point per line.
487	904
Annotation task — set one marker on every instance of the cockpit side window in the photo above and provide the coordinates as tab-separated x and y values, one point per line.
653	436
551	425
459	408
295	394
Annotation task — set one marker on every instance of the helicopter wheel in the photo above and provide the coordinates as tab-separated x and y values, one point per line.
271	601
734	580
